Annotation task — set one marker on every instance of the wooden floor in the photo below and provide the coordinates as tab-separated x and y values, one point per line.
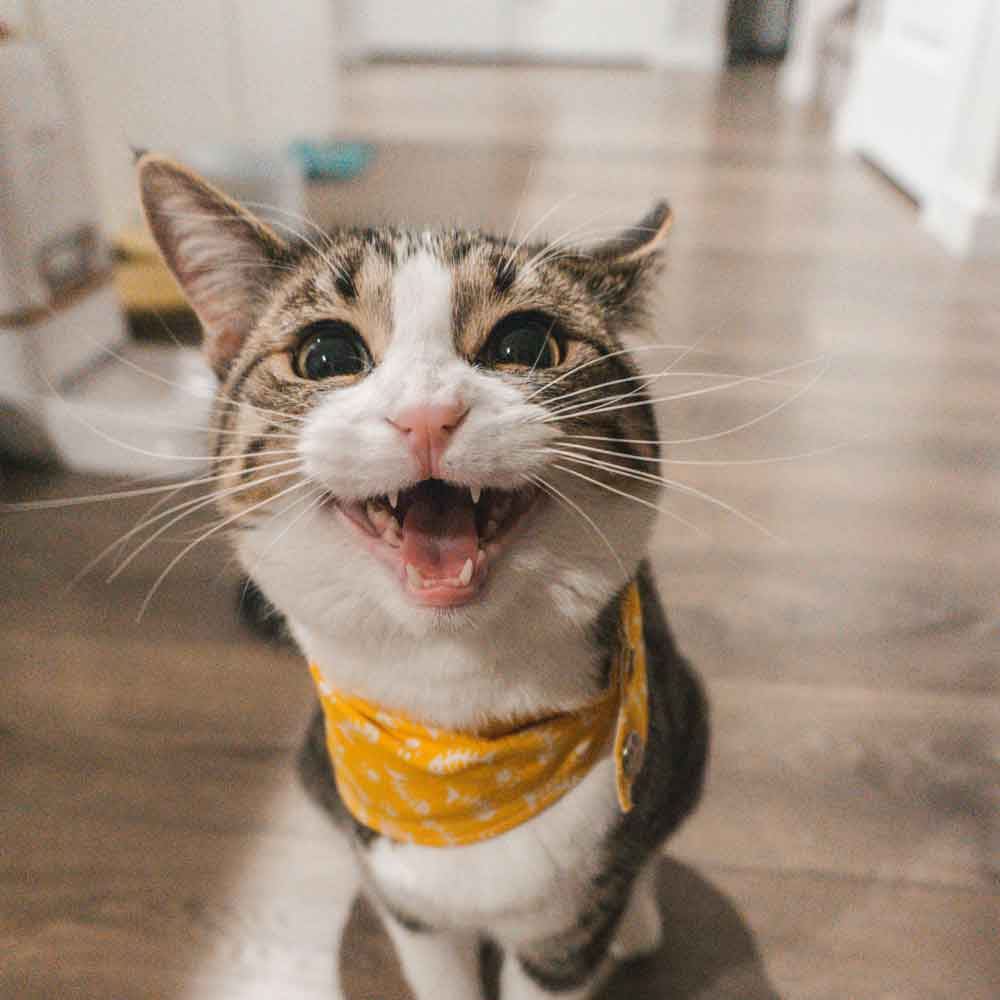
153	842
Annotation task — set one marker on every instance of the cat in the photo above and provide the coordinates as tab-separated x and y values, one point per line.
431	445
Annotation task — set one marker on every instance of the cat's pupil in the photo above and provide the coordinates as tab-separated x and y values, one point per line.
333	349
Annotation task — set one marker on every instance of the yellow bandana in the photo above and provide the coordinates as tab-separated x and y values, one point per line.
438	787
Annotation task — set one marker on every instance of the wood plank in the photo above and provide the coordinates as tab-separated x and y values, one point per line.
153	841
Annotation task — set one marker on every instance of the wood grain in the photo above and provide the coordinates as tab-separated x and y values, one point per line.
153	841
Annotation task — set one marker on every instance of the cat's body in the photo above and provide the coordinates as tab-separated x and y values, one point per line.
556	886
433	555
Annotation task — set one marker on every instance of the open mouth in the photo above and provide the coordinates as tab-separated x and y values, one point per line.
440	538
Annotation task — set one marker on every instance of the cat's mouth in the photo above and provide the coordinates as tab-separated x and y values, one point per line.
440	538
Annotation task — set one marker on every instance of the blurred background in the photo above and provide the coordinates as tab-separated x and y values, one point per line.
833	279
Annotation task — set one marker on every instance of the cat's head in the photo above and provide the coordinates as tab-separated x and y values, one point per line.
419	430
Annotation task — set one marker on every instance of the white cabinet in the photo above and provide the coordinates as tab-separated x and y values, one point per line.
599	29
432	28
924	105
686	32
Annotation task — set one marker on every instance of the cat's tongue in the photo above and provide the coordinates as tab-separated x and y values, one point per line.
439	531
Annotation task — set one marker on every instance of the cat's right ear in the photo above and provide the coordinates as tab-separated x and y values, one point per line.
221	255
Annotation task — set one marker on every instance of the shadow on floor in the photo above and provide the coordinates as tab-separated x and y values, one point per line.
708	952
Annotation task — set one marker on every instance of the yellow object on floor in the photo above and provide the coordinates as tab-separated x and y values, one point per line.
141	278
437	787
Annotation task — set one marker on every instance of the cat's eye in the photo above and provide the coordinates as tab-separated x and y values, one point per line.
330	348
524	340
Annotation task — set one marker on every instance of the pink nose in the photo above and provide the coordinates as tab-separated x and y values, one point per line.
428	431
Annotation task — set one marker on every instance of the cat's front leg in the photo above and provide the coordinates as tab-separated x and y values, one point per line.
436	965
342	901
523	979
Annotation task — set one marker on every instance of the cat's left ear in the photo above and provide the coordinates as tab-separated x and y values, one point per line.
639	243
222	256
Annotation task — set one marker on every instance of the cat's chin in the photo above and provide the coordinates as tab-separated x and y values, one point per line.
440	541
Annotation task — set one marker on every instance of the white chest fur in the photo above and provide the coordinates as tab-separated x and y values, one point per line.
519	886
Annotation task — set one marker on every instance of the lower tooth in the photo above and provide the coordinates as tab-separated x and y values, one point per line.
378	516
480	558
465	577
413	575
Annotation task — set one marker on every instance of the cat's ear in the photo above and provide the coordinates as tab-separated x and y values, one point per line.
640	242
221	255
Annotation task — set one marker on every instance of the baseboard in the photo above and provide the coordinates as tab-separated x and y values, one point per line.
968	226
708	55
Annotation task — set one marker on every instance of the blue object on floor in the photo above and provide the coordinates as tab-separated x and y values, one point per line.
340	161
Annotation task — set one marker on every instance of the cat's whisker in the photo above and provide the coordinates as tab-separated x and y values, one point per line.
219	475
604	358
218	400
177	514
545	215
568	244
143	420
648	377
186	509
639	500
208	534
258	265
318	497
592	227
56	503
723	462
560	246
323	254
273	223
716	435
642	386
295	216
671	484
558	494
277	514
312	500
517	214
589	409
128	446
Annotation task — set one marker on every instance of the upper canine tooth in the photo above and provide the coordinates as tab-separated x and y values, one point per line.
413	575
393	499
477	492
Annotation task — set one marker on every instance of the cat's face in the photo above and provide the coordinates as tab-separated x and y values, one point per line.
401	414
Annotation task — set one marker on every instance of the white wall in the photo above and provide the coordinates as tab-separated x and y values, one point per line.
170	76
